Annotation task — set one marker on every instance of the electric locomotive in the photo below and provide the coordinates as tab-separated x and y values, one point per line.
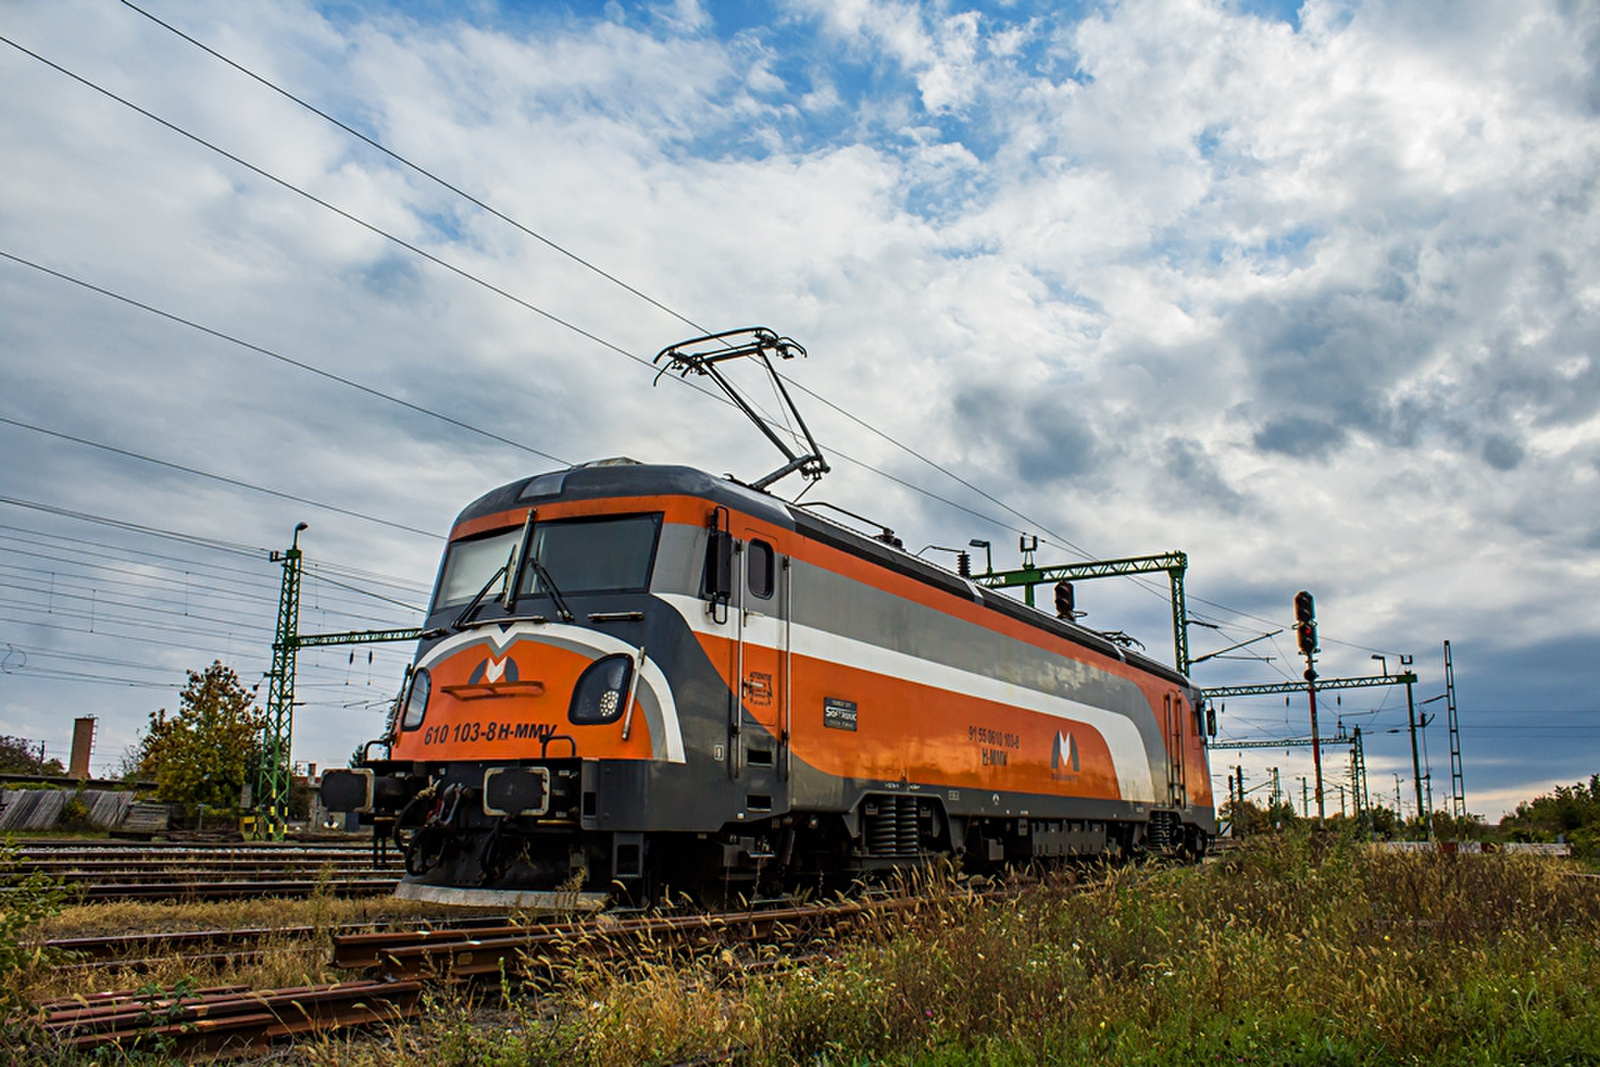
639	679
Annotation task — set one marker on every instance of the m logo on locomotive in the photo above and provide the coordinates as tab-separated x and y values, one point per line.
493	670
1065	751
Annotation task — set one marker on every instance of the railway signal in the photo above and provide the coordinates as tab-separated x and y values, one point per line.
1305	622
1065	602
1305	632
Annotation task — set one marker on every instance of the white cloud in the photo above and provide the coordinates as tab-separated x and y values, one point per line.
1319	307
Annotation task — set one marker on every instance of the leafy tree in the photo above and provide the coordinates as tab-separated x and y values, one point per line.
1572	811
18	757
1249	818
202	754
1386	822
1469	827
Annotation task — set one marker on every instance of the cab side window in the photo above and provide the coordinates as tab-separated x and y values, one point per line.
759	568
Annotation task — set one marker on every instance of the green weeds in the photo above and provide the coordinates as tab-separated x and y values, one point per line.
1293	950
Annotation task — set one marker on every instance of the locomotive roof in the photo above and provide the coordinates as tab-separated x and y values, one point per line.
612	478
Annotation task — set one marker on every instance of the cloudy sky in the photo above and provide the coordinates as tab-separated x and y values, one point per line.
1309	292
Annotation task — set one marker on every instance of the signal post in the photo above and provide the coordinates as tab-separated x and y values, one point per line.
1305	632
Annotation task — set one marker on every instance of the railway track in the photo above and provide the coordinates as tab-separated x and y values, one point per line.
397	964
484	951
228	1020
100	871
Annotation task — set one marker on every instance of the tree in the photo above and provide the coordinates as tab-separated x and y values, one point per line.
1572	812
202	754
17	756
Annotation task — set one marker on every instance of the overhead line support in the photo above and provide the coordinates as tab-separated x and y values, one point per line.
1174	564
1271	688
275	774
358	637
1458	789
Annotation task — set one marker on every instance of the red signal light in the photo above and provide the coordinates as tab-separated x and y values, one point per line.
1306	636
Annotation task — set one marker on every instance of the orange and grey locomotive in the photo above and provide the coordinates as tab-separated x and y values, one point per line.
643	679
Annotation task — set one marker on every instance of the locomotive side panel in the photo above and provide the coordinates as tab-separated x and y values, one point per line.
892	683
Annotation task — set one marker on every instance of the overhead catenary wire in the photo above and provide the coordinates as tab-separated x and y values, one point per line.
1149	587
341	212
521	227
80	600
216	544
160	598
1032	524
196	540
447	265
197	579
417	168
301	364
237	482
214	332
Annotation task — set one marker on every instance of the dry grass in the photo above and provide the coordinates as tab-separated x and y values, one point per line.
1291	951
128	917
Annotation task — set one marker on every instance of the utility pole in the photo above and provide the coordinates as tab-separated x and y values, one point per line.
1240	771
1305	799
275	774
1416	757
1458	789
1358	774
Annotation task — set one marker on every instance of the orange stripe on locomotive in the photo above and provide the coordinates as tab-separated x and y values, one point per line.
908	712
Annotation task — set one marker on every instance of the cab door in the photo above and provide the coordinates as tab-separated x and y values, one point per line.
1177	777
761	614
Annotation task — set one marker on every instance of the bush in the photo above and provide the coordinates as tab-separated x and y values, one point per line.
24	901
74	814
1572	812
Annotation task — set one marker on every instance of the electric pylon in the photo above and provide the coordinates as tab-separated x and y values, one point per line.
1458	788
276	772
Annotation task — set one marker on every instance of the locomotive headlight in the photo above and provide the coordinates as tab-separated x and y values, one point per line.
601	691
417	699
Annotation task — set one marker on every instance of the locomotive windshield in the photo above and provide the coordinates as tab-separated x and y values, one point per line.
581	556
593	555
469	565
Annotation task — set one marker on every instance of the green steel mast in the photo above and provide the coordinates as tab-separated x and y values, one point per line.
1174	564
276	772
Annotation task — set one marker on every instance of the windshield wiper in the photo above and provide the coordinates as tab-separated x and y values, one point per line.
508	597
550	587
476	602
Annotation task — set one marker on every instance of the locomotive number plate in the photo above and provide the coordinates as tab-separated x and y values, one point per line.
838	714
